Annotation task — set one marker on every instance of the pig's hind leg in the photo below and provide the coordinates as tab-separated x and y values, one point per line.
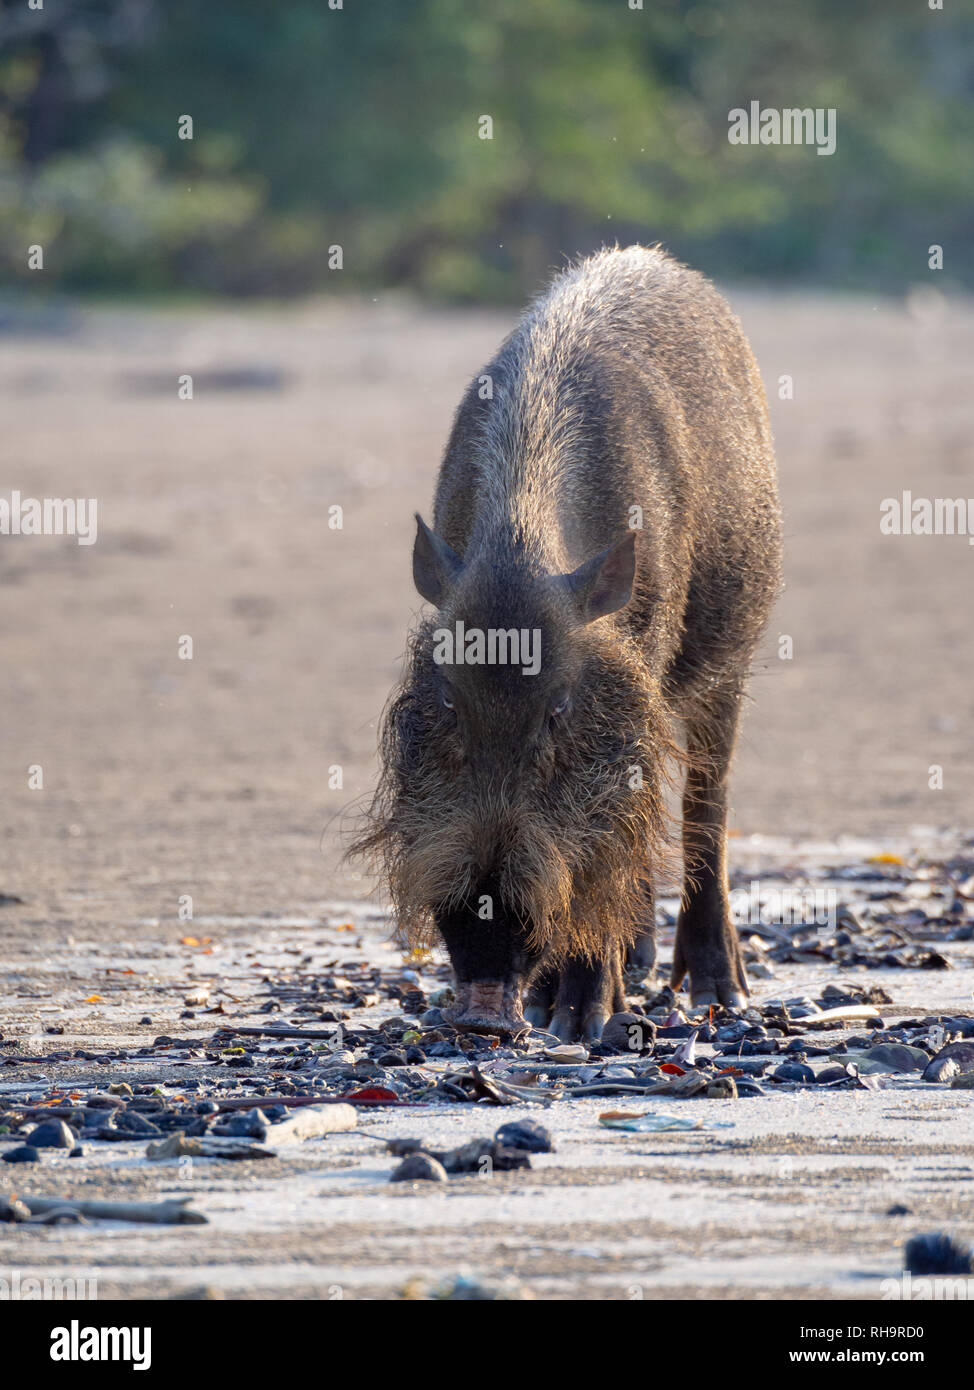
706	939
641	955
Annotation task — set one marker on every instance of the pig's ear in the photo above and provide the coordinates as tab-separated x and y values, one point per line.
603	584
435	564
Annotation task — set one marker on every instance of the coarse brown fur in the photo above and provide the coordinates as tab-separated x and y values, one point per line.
626	399
574	840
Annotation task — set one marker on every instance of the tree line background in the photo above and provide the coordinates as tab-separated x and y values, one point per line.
358	127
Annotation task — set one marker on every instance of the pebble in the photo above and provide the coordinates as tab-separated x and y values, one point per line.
465	1289
891	1057
134	1123
722	1088
964	1026
243	1124
793	1071
13	1209
936	1253
525	1134
52	1134
23	1153
810	1050
482	1156
949	1061
419	1167
833	1073
628	1032
731	1032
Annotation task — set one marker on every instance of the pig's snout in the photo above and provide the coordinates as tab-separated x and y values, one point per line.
491	960
488	1006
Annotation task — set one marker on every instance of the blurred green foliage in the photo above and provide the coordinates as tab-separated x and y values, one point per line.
359	126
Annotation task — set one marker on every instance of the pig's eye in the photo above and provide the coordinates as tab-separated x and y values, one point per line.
560	706
446	702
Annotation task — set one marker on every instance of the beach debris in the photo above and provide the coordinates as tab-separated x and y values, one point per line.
842	1013
52	1134
525	1134
722	1088
628	1032
243	1124
174	1211
937	1253
886	1058
314	1121
685	1054
682	1084
657	1122
566	1052
178	1145
419	1167
60	1216
467	1288
13	1209
482	1155
952	1059
795	1072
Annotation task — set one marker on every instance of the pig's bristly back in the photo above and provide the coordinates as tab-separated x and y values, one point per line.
625	355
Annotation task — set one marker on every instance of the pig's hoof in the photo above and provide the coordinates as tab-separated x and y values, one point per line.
722	993
537	1016
569	1027
564	1025
593	1025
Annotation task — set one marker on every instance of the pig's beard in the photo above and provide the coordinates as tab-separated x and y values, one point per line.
569	851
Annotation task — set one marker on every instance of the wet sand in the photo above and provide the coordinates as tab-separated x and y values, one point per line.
165	779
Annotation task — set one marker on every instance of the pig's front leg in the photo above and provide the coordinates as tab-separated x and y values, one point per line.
574	1001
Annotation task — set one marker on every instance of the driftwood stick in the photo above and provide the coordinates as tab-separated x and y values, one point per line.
172	1212
280	1030
249	1102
